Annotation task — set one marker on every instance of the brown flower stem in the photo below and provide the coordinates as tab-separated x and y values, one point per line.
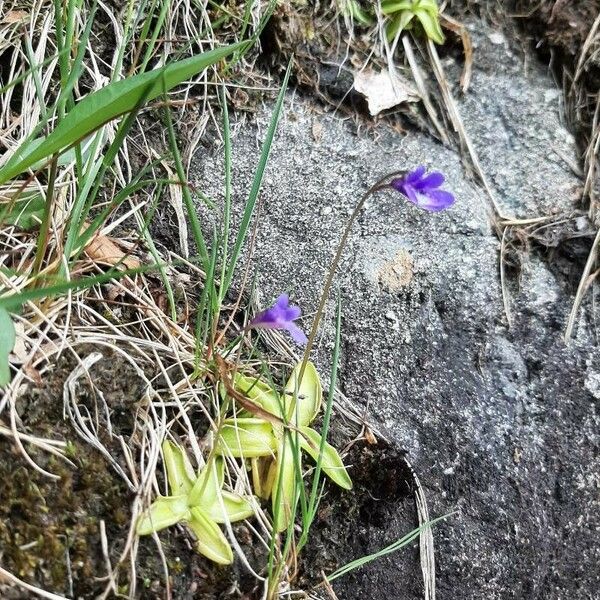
379	185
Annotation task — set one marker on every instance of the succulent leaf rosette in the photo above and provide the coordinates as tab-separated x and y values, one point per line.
404	13
272	447
199	502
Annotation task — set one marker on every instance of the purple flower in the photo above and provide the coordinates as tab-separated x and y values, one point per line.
281	316
423	190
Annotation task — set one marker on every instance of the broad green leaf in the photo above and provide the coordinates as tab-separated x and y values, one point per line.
210	539
261	485
259	392
67	157
246	438
111	101
180	472
236	508
284	487
207	485
163	512
431	26
389	7
331	463
309	394
26	213
7	343
429	5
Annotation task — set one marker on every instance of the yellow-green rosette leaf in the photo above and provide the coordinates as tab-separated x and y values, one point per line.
162	513
207	484
429	5
331	463
398	23
309	394
7	343
259	392
210	540
235	508
431	25
180	472
389	7
284	487
246	438
353	9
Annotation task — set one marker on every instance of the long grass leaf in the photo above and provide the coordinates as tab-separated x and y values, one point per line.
102	106
397	545
257	182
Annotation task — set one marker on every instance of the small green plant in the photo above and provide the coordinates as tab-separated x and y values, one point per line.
273	447
404	14
199	502
401	15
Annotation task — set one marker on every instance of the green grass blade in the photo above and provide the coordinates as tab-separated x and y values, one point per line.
397	545
7	342
106	104
256	184
152	42
14	302
227	204
313	501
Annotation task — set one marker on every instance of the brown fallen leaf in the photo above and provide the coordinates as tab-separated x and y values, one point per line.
103	249
15	16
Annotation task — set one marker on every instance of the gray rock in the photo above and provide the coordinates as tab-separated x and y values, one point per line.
499	424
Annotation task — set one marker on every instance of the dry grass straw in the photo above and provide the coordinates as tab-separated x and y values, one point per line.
125	318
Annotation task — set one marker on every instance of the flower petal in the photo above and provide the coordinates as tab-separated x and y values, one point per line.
411	194
292	313
436	200
413	176
398	185
282	302
280	316
297	334
432	181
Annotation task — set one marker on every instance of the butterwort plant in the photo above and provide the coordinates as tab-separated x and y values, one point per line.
271	446
198	502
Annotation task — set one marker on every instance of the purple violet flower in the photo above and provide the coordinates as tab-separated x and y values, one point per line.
423	190
281	316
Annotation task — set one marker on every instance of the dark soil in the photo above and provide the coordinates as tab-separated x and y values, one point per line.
50	530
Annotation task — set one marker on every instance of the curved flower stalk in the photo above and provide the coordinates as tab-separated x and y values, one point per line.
393	181
198	502
272	448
